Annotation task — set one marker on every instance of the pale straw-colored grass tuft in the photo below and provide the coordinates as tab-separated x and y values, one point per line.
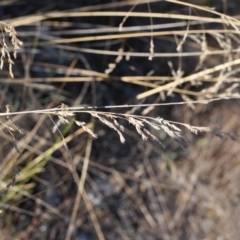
16	44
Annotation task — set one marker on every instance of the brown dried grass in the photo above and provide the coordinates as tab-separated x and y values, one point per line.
187	177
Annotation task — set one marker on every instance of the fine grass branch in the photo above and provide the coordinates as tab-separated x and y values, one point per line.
15	42
141	124
148	128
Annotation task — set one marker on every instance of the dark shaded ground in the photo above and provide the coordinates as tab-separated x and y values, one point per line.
137	190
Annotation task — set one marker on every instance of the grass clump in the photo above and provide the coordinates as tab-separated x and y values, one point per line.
136	54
